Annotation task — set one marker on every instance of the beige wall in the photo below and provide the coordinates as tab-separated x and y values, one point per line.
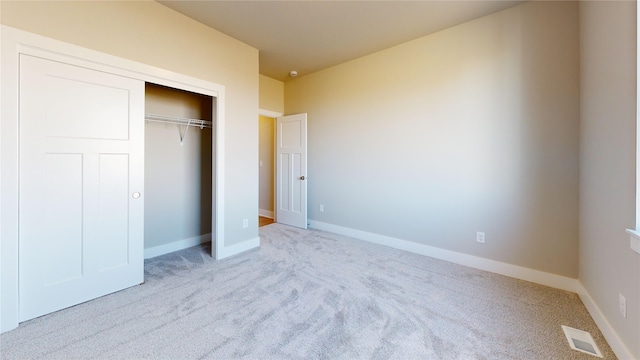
266	156
271	94
608	266
177	176
474	128
150	33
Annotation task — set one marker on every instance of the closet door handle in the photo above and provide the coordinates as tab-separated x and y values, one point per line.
135	195
302	177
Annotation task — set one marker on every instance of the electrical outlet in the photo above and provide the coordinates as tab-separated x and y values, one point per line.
245	223
622	305
480	237
321	208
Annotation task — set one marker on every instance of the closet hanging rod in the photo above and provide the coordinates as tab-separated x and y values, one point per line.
178	120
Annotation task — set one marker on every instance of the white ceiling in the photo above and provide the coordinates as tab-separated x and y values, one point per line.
308	36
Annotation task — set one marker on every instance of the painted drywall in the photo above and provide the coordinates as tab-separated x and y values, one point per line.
150	33
608	266
474	128
178	175
271	94
266	156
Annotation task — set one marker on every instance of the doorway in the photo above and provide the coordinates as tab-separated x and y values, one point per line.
179	169
266	164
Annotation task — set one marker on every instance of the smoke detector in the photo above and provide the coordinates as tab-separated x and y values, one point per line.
293	73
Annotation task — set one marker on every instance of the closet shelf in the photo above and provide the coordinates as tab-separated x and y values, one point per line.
178	120
186	122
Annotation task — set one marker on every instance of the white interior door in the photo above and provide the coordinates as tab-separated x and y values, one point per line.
81	174
291	170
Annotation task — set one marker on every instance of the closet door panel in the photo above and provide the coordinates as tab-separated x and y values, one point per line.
112	238
62	215
81	161
71	105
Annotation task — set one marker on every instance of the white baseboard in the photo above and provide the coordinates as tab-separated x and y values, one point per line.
231	250
176	246
518	272
266	213
616	344
197	240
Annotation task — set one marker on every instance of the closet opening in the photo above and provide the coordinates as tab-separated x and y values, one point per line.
179	169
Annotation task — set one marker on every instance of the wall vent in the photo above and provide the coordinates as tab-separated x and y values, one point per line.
581	341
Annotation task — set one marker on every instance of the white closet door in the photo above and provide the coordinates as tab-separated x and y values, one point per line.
81	180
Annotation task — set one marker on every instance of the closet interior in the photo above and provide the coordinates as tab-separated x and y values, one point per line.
179	169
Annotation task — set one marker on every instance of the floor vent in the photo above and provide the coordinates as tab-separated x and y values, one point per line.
581	341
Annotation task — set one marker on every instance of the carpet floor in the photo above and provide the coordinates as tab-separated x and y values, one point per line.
307	294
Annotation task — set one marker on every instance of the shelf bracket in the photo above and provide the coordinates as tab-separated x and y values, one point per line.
183	134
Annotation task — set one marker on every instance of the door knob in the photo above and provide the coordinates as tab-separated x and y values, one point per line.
302	177
135	195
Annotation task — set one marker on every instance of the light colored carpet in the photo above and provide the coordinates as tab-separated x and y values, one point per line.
311	295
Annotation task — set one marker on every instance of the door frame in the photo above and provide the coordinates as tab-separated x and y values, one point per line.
16	42
273	115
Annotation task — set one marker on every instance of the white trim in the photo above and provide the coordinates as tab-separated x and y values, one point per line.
616	344
274	115
240	247
269	113
634	240
514	271
218	196
637	116
16	42
9	182
265	213
176	246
